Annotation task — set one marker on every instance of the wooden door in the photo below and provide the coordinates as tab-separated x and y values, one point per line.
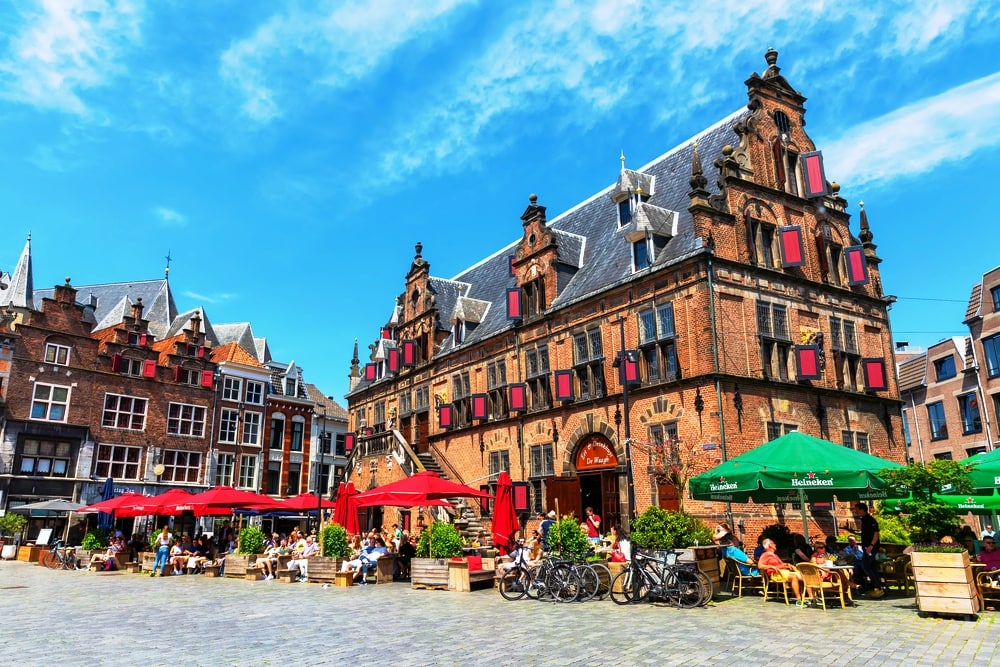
610	500
567	491
668	497
420	441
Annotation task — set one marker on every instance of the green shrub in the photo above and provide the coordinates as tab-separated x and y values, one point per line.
657	529
892	529
252	540
12	523
333	541
95	540
446	542
938	548
567	539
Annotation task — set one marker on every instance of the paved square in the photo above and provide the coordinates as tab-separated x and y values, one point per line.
85	618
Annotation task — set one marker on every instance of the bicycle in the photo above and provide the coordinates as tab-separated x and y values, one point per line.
60	557
553	577
647	577
515	582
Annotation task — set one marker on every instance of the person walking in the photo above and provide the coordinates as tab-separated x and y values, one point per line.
593	523
163	541
870	547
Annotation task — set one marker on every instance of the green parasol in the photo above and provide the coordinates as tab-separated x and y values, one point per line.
962	504
985	473
794	468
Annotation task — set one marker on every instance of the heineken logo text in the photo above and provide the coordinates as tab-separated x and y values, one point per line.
722	486
812	482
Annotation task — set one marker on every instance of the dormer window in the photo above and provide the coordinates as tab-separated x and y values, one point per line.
640	255
627	206
762	244
534	298
290	387
57	354
459	332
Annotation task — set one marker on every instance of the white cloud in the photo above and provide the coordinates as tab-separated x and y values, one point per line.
330	46
169	217
65	47
218	298
919	137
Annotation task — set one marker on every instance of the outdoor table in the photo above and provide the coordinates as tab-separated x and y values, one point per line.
843	574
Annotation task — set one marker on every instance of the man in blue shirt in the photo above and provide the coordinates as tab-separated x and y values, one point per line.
367	558
547	523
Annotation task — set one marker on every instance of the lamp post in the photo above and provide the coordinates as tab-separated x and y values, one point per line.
623	359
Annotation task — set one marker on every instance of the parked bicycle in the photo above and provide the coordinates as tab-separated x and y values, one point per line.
60	557
647	577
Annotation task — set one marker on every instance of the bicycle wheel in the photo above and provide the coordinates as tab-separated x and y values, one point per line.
709	588
589	582
564	583
629	586
686	589
51	560
514	583
603	580
536	588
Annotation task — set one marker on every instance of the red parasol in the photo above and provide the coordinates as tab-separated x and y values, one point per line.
505	523
417	490
224	499
305	502
348	518
167	503
113	504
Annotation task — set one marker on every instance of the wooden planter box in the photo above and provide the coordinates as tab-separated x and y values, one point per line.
429	573
945	583
84	556
148	559
236	565
324	569
30	554
707	559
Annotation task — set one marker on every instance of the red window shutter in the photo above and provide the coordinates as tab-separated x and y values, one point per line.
116	363
857	267
564	385
444	416
514	303
149	368
206	378
409	352
393	360
201	351
510	264
521	497
142	340
369	372
178	373
348	442
874	372
792	252
386	333
518	397
779	161
814	176
807	362
479	406
630	368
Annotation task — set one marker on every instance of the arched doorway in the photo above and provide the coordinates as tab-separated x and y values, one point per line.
597	471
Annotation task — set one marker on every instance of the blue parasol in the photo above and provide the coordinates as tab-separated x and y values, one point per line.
106	520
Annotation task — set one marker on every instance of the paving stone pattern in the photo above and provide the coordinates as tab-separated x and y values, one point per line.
86	618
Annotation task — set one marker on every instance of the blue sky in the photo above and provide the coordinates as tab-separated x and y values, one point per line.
290	155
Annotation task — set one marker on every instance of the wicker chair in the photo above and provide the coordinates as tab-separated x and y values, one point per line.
989	588
739	581
771	583
816	587
896	574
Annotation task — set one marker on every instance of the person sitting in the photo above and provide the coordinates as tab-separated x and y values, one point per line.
108	560
759	549
197	556
832	551
743	561
621	547
778	570
269	561
301	561
368	557
989	556
803	552
819	557
723	536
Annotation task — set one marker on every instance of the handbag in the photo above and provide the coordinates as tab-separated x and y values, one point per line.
617	556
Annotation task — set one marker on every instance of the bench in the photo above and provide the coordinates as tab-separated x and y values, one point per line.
134	568
323	569
343	579
383	570
462	576
240	567
287	575
211	570
253	573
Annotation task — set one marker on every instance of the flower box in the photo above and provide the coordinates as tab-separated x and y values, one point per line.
429	573
944	582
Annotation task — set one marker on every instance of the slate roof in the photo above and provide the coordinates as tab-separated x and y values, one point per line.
158	302
279	372
19	291
334	411
588	237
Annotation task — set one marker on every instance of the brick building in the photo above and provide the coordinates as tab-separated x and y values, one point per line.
96	384
951	393
744	304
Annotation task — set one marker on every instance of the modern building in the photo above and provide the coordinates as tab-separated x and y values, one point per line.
678	317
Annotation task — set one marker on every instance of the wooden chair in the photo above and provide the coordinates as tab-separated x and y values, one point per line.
816	587
894	574
989	588
738	580
771	581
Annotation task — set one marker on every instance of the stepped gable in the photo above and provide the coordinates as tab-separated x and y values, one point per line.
159	307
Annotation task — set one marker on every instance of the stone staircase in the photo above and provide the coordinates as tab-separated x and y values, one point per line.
466	510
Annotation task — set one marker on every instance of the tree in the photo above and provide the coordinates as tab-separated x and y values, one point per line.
927	518
673	462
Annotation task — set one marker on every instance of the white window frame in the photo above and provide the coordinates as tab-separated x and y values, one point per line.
57	354
232	388
48	402
181	461
107	463
248	472
125	406
251	428
255	393
224	469
185	419
229	425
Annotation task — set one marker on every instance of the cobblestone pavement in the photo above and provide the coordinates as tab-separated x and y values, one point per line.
85	618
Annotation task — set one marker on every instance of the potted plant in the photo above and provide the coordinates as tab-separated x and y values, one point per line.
567	540
333	549
251	542
11	525
658	530
438	543
944	580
